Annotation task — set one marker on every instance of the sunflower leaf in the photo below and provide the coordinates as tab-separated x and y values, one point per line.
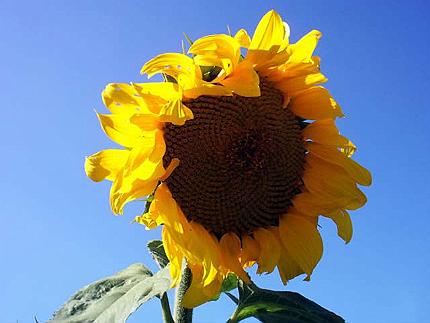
158	253
276	306
229	283
209	73
114	298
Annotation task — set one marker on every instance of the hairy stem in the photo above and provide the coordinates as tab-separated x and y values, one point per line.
182	314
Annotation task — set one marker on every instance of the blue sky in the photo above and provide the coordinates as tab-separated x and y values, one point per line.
57	232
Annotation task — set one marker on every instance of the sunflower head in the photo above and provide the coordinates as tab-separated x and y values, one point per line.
240	155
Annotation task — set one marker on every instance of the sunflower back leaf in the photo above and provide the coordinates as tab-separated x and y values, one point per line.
158	253
276	306
114	298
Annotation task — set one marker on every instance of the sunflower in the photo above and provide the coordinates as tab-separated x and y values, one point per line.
239	153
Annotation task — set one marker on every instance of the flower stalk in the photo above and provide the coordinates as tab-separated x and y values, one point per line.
167	315
182	314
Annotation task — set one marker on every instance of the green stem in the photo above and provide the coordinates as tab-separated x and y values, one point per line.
167	314
182	314
232	297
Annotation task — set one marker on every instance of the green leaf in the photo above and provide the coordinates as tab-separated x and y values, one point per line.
157	251
275	306
168	78
209	73
114	298
229	283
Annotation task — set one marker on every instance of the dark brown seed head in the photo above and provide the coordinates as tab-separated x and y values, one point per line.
241	161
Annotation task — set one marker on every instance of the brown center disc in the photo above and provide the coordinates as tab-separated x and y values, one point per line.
241	161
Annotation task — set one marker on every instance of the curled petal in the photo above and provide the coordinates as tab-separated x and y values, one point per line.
172	64
150	219
141	173
105	164
223	50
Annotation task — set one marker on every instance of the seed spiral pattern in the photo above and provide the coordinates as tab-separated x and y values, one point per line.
241	161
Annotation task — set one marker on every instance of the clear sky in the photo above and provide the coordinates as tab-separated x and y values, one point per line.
57	232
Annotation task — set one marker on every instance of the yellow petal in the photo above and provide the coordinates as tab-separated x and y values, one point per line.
243	81
165	101
120	129
174	255
269	250
302	241
269	33
152	218
132	190
168	210
291	86
285	71
315	103
197	293
286	41
329	181
230	251
301	52
334	156
243	38
325	132
172	64
205	250
210	59
141	173
147	122
224	48
158	91
148	219
288	268
315	204
105	164
175	112
359	200
122	98
250	251
343	223
206	89
156	95
170	168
